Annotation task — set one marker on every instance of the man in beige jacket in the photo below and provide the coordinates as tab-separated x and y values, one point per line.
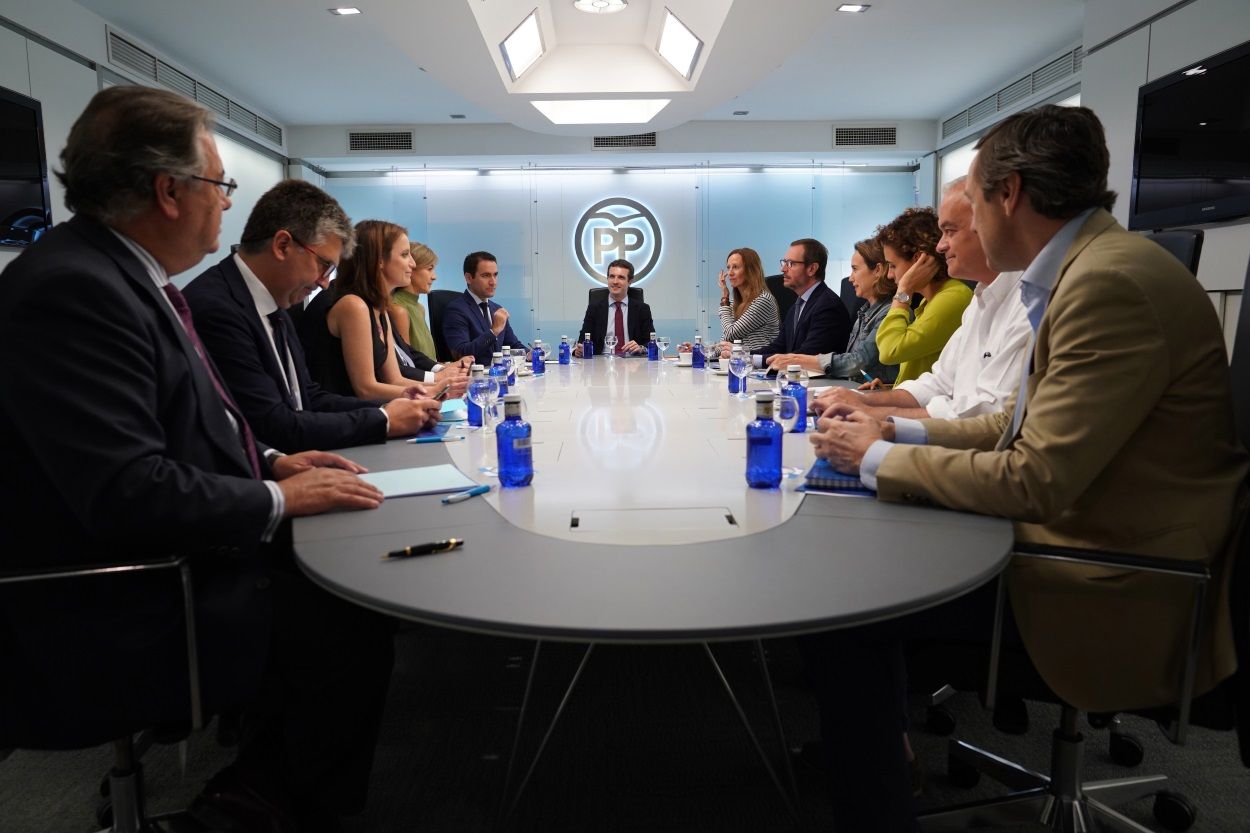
1121	439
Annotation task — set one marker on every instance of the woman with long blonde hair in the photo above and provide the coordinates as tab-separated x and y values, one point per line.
753	318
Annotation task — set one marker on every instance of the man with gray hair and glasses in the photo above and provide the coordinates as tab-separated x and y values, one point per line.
123	443
292	242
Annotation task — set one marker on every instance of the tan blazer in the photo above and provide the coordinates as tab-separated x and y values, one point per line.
1127	444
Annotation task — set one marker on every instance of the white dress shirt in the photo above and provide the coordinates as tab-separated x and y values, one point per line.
266	306
980	365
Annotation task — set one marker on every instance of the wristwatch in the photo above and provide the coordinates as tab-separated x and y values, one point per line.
902	298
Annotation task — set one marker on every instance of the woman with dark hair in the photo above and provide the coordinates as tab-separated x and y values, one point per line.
753	317
353	349
872	282
909	244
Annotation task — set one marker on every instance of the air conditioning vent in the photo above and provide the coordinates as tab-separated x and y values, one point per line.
375	140
636	140
865	136
147	66
1050	76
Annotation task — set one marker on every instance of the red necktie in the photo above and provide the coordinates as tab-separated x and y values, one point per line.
619	328
179	302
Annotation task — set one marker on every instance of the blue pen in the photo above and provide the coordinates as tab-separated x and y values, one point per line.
864	373
465	495
420	440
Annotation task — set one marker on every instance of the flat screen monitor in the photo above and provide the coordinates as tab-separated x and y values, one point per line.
25	209
1191	163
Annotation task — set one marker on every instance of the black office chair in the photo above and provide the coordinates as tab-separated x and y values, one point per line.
123	809
1185	244
785	298
1062	798
438	301
598	293
850	300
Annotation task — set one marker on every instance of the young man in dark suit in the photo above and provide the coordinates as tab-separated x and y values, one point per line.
629	319
123	444
293	240
817	322
473	324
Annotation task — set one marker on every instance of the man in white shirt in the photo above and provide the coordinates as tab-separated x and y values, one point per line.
980	366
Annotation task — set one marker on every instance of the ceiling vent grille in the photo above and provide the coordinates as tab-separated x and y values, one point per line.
1052	74
149	67
635	140
880	136
379	140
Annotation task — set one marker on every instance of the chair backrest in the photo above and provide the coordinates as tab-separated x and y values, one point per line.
1185	244
850	300
1239	589
598	293
1240	366
438	301
785	298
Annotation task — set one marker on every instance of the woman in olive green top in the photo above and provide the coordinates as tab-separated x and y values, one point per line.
406	311
909	242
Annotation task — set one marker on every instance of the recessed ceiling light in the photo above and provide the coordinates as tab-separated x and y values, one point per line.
602	111
600	6
678	45
853	7
523	47
346	10
457	115
741	112
1198	70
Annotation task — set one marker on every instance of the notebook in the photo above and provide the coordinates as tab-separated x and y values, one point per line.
421	480
823	477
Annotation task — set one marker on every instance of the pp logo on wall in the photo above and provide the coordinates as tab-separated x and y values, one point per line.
617	228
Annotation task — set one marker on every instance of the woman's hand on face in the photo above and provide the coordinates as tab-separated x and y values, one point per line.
720	279
919	275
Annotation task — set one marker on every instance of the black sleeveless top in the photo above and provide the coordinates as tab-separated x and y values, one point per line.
325	351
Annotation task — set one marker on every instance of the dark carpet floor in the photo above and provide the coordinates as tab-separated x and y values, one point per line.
648	742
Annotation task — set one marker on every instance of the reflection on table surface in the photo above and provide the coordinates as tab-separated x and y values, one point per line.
631	446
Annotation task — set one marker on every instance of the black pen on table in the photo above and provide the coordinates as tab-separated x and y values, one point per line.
432	548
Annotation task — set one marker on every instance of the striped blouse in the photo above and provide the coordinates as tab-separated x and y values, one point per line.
757	326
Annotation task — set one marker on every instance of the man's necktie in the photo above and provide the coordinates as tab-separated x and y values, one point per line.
179	302
619	327
798	311
485	307
278	323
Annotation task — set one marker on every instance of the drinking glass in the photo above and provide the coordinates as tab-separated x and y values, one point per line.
662	342
609	344
483	393
786	413
740	366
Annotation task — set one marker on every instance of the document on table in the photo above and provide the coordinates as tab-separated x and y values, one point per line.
421	480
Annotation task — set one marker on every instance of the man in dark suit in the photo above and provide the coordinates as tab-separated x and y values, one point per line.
629	320
473	324
817	323
293	239
123	444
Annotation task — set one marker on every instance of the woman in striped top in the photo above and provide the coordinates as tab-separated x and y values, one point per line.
753	318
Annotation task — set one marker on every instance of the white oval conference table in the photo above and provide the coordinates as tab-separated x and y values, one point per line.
639	527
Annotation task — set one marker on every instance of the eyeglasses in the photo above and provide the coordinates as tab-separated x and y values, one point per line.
786	263
327	266
227	188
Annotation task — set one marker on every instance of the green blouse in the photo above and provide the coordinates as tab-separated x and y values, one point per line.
418	334
914	345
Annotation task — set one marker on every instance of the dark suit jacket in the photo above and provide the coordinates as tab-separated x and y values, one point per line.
116	448
638	323
823	328
227	322
466	332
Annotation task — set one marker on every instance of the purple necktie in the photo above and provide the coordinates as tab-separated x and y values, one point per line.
619	328
179	302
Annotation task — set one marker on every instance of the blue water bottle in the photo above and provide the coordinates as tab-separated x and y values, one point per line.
509	366
794	387
697	359
763	446
512	441
499	373
733	380
653	350
588	347
537	362
477	372
566	352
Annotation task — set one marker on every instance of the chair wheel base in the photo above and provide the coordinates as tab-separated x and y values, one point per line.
961	773
1126	750
1174	811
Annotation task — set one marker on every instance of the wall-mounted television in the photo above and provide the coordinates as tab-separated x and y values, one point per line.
1191	162
25	209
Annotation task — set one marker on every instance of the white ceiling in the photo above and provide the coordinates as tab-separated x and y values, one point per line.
419	61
